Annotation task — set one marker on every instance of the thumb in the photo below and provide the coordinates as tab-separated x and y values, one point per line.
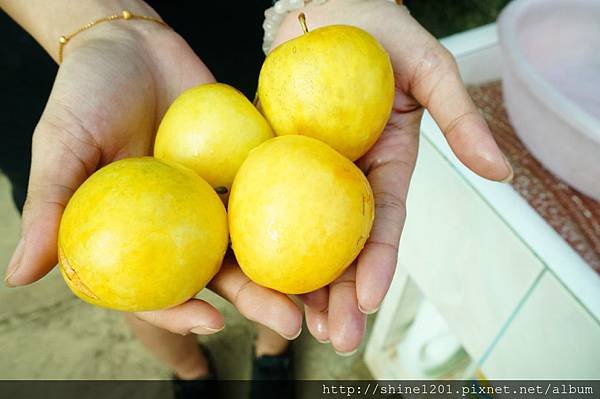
437	85
63	156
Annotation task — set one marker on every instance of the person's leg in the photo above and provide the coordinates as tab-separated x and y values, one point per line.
273	362
268	342
179	352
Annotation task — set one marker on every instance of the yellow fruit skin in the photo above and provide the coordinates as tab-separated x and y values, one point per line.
210	129
299	214
141	234
335	84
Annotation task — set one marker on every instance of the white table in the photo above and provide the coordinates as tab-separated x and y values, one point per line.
482	269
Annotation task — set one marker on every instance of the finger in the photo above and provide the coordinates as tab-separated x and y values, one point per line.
436	84
315	309
63	156
318	300
317	321
346	322
389	166
262	305
194	316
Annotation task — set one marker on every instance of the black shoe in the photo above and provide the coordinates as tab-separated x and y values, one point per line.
272	376
204	387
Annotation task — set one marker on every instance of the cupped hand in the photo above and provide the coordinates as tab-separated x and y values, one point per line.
426	76
110	93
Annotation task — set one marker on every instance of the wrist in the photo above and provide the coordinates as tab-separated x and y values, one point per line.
125	25
377	17
47	21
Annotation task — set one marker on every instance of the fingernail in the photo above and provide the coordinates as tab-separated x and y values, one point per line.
291	338
14	264
204	330
366	311
321	327
347	354
325	341
511	172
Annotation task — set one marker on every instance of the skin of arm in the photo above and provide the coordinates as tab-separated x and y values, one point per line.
46	21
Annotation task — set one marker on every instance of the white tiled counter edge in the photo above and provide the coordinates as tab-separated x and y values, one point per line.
477	54
556	254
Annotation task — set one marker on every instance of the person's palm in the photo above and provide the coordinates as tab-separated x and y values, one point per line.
105	104
107	101
111	94
426	77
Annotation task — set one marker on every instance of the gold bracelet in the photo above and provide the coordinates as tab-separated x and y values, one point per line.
125	15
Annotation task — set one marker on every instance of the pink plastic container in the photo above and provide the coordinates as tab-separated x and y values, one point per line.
551	83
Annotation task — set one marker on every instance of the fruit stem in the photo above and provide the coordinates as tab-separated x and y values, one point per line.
302	20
